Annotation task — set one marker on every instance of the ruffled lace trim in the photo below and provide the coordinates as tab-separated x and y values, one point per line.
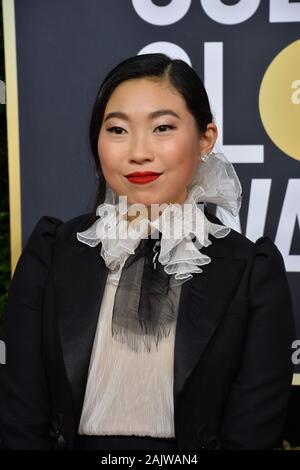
215	181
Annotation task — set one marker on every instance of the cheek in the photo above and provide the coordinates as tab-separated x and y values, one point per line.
108	154
183	157
185	144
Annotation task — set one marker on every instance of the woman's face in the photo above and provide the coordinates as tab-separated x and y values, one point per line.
148	128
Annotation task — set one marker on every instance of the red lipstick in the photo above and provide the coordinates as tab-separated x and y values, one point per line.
144	177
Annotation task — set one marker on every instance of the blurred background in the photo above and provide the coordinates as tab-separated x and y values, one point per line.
57	53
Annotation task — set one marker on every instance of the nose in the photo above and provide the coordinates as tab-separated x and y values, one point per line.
140	150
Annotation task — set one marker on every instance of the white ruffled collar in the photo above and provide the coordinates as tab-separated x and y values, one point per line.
215	182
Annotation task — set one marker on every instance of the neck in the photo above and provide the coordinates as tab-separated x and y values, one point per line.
152	216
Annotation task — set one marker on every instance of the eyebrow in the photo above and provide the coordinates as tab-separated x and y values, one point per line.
153	115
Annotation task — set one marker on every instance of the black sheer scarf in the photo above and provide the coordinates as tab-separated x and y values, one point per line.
146	300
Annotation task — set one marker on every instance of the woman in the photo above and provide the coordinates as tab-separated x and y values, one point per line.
121	333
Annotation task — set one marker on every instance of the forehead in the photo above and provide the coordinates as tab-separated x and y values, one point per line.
145	94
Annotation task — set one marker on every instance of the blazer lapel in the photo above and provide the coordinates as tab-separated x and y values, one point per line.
80	277
204	300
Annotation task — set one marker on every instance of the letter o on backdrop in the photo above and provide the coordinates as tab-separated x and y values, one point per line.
169	48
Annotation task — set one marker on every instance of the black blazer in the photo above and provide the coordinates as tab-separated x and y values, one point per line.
232	358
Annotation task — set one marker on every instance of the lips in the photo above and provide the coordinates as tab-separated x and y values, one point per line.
142	177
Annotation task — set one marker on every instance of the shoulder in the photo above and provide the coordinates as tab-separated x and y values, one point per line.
68	229
48	228
38	250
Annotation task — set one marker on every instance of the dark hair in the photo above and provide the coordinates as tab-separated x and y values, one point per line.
158	65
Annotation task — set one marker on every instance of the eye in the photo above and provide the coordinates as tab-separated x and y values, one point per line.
165	126
111	130
118	130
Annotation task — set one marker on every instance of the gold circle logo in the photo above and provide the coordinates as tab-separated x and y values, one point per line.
279	100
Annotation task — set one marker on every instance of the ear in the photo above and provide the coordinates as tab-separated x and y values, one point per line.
208	139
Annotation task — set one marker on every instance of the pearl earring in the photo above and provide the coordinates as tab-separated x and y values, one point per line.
204	158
